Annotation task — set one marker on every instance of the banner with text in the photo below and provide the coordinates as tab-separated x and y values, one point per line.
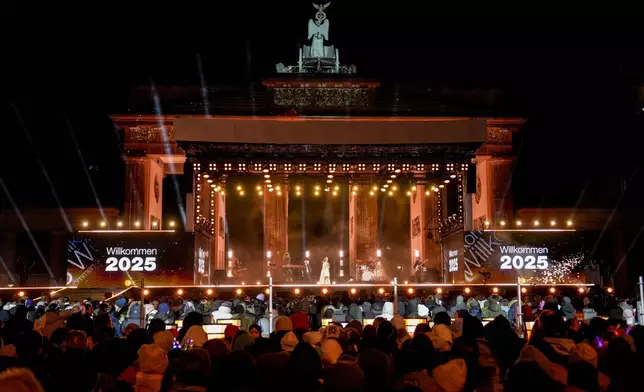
538	256
109	259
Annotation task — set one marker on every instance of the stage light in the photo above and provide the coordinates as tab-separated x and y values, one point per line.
341	253
609	290
552	290
519	223
229	274
435	189
502	223
371	193
260	193
146	292
390	193
279	193
441	186
353	291
239	291
243	283
267	181
298	193
408	193
446	181
278	188
389	181
180	292
85	223
524	290
209	181
374	188
416	253
378	252
268	254
386	186
381	291
239	187
329	176
427	192
536	223
155	223
406	282
395	188
413	188
267	176
103	224
337	187
452	175
410	290
569	223
581	290
316	193
439	290
334	193
325	291
495	290
206	176
397	171
296	291
230	254
383	189
265	170
241	193
307	254
467	290
171	223
267	291
317	187
333	282
21	293
119	224
487	223
354	193
209	291
137	224
127	283
259	187
553	223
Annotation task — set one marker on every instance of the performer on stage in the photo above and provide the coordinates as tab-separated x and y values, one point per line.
379	271
238	268
306	271
325	274
288	272
418	269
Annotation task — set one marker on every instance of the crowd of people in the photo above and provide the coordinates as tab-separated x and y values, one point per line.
470	344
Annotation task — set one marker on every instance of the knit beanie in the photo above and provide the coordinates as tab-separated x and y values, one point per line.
283	324
152	359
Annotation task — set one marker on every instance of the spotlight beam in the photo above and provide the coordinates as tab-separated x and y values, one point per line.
25	227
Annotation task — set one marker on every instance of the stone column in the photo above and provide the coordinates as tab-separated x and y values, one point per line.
363	228
218	223
423	230
493	198
276	223
144	192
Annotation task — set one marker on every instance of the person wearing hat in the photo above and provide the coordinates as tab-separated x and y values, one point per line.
289	341
153	361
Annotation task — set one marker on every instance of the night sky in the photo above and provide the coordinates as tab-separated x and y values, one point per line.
67	69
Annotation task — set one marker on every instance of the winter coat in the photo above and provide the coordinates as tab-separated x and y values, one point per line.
53	321
568	309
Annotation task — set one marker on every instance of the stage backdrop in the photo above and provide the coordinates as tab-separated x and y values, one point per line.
109	259
540	257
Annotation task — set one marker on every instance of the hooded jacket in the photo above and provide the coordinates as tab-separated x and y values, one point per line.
355	313
460	305
388	311
223	313
568	309
412	307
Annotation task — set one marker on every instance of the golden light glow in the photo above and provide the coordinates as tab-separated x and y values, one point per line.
356	187
260	193
353	291
413	188
553	223
439	290
371	193
375	188
524	290
21	293
119	224
209	291
317	187
390	193
569	223
410	290
325	291
241	193
552	290
206	176
128	283
278	188
52	292
408	193
406	282
180	292
435	189
337	188
502	223
239	187
495	290
298	193
427	192
258	283
267	291
259	187
171	223
581	290
486	223
155	223
609	290
85	223
267	181
316	193
279	193
137	224
239	291
296	291
381	290
518	223
536	223
103	224
446	181
441	186
146	292
395	188
467	290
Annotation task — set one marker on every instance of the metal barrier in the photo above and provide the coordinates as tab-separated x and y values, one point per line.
9	279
